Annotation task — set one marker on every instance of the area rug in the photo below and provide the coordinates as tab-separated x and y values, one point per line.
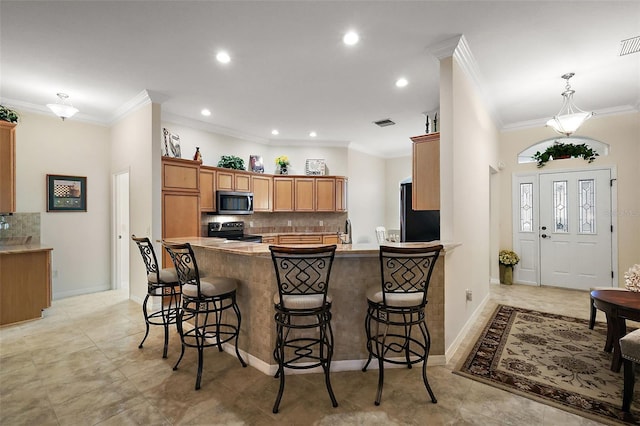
553	359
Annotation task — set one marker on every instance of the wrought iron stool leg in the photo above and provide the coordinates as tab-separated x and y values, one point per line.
427	347
367	328
280	359
181	332
328	341
146	320
239	319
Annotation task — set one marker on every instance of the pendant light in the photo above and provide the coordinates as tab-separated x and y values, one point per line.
63	108
570	117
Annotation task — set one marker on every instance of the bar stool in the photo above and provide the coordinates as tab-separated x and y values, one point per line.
162	284
396	307
303	306
630	349
200	300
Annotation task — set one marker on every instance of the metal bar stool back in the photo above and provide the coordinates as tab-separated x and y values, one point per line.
396	307
304	338
162	284
202	321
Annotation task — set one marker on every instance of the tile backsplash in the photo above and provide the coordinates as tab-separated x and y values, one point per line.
268	223
21	225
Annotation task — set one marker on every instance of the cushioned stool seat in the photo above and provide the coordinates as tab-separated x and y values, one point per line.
630	349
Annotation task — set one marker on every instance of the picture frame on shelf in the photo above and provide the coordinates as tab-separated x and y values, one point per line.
315	167
171	145
66	193
256	164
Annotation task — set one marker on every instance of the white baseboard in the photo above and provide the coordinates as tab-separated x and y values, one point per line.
80	291
451	350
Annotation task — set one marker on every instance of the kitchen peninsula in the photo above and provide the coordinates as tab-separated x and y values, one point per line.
355	268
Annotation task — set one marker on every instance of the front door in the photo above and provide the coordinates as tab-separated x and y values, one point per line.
562	229
575	230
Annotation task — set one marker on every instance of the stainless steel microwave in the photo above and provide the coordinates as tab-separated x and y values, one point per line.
229	202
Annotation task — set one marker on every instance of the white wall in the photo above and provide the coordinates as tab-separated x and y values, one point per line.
132	149
366	195
469	148
396	170
213	145
80	240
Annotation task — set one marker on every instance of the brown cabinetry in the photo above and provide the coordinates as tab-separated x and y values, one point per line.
230	180
270	240
341	194
180	175
330	239
325	194
207	189
300	239
283	194
426	172
305	194
25	285
7	167
262	187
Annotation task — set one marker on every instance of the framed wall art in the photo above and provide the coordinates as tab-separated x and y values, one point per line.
256	164
315	167
66	193
171	144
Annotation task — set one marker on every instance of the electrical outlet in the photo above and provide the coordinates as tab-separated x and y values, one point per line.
288	223
321	223
251	223
469	295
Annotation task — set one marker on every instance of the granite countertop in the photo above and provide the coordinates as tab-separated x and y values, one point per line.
261	249
22	248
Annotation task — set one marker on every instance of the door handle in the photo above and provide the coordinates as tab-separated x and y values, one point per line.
119	237
545	236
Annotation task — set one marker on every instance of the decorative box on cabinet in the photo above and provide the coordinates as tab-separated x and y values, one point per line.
426	172
7	167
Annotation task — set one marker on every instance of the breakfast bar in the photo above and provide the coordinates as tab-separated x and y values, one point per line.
355	268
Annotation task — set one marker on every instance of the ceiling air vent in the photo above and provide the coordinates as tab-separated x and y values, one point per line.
630	45
384	122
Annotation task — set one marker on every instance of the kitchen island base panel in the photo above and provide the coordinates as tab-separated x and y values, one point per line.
352	274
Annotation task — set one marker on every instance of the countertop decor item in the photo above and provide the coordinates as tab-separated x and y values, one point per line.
66	193
565	150
197	156
632	278
7	114
231	162
283	164
256	164
171	144
315	167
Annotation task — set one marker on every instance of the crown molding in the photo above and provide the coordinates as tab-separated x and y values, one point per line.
210	127
143	98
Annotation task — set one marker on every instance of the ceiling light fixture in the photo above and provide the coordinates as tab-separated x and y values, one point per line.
351	38
223	57
401	82
63	108
313	134
570	117
275	132
205	112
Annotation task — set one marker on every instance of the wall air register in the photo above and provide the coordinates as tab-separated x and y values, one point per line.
384	122
630	45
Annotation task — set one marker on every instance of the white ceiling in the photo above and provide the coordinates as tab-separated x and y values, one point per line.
291	71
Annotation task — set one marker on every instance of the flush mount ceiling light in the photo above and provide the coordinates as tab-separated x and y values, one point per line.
351	38
275	132
401	82
63	108
570	117
205	112
223	57
313	134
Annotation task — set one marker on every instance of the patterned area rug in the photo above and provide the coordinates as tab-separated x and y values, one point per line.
552	359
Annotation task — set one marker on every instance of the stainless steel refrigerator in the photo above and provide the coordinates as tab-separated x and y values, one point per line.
417	225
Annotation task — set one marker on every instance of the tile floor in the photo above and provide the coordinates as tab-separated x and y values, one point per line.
81	365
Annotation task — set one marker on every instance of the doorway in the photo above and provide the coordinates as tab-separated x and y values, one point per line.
121	227
563	230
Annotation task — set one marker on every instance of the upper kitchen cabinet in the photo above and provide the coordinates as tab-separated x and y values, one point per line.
305	194
283	194
180	175
341	194
426	172
207	189
7	167
232	180
325	194
262	193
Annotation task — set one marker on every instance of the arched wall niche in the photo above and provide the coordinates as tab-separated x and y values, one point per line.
526	156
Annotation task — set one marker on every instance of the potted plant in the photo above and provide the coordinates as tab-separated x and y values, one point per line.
283	164
231	162
7	114
508	259
565	150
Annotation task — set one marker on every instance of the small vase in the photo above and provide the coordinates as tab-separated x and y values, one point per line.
284	170
197	156
508	275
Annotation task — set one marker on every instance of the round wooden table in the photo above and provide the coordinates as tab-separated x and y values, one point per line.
618	306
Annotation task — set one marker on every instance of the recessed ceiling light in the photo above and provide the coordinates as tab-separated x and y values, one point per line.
351	38
205	112
313	134
275	132
223	57
401	82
